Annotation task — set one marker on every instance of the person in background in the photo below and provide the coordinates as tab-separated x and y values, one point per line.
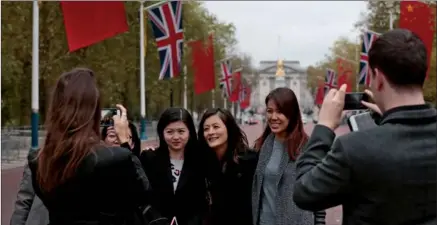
175	170
231	165
275	174
28	209
78	178
386	174
109	136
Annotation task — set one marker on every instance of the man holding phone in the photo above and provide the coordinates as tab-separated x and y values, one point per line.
386	174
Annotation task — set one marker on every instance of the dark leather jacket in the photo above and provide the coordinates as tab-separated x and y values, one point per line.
108	188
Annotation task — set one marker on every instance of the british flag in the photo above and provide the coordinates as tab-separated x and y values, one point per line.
166	21
226	79
368	38
330	80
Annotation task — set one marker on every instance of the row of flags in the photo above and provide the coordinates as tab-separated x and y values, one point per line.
89	22
419	17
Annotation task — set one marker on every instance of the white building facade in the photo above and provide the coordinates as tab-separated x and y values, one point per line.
295	78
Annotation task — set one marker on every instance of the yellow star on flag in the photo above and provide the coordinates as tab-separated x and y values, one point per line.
410	8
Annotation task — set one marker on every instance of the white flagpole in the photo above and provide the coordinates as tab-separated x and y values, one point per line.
213	98
233	109
35	75
224	104
391	20
185	88
357	58
239	113
143	135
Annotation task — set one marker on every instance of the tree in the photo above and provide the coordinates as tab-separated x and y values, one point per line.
377	19
343	48
115	61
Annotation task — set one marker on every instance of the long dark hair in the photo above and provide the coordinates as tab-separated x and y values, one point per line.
287	104
73	126
237	140
172	115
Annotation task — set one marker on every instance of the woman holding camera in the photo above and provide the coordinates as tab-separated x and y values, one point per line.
78	178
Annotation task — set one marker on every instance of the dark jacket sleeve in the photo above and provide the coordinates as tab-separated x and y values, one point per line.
24	200
141	186
323	174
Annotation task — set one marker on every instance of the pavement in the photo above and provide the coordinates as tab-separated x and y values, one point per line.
11	176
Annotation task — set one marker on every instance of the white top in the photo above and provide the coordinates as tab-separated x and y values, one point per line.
176	169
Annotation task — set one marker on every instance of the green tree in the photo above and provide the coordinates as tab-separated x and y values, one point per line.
343	48
377	19
115	60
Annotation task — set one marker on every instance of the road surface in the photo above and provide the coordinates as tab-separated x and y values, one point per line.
10	178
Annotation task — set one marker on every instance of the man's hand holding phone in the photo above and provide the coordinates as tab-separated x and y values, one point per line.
331	111
121	124
371	106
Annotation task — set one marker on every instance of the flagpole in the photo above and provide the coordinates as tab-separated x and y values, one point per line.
224	104
238	112
391	19
213	98
143	135
233	109
185	88
357	59
35	75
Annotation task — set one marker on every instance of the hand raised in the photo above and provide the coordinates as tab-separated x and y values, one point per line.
121	124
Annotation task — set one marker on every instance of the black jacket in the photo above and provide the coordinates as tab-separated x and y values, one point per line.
188	203
382	176
108	187
230	188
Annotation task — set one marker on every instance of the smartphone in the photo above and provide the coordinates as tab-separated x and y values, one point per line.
106	116
352	100
362	121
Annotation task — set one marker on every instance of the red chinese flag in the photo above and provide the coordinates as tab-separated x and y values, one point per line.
320	93
87	23
344	70
420	19
246	101
236	86
203	65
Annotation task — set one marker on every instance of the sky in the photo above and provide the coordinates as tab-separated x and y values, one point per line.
291	30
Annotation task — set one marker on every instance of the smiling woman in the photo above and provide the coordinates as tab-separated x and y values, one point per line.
230	167
279	146
174	169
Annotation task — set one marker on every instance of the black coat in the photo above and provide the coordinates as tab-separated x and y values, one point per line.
108	188
188	203
230	188
384	175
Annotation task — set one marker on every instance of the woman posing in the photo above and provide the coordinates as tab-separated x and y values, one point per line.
78	178
231	165
279	146
174	170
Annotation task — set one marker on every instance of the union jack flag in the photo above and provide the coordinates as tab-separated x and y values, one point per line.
330	80
166	21
368	38
226	80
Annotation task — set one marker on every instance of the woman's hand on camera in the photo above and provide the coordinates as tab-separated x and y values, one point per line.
121	124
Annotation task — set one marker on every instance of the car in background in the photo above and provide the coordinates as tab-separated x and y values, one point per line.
305	119
247	118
